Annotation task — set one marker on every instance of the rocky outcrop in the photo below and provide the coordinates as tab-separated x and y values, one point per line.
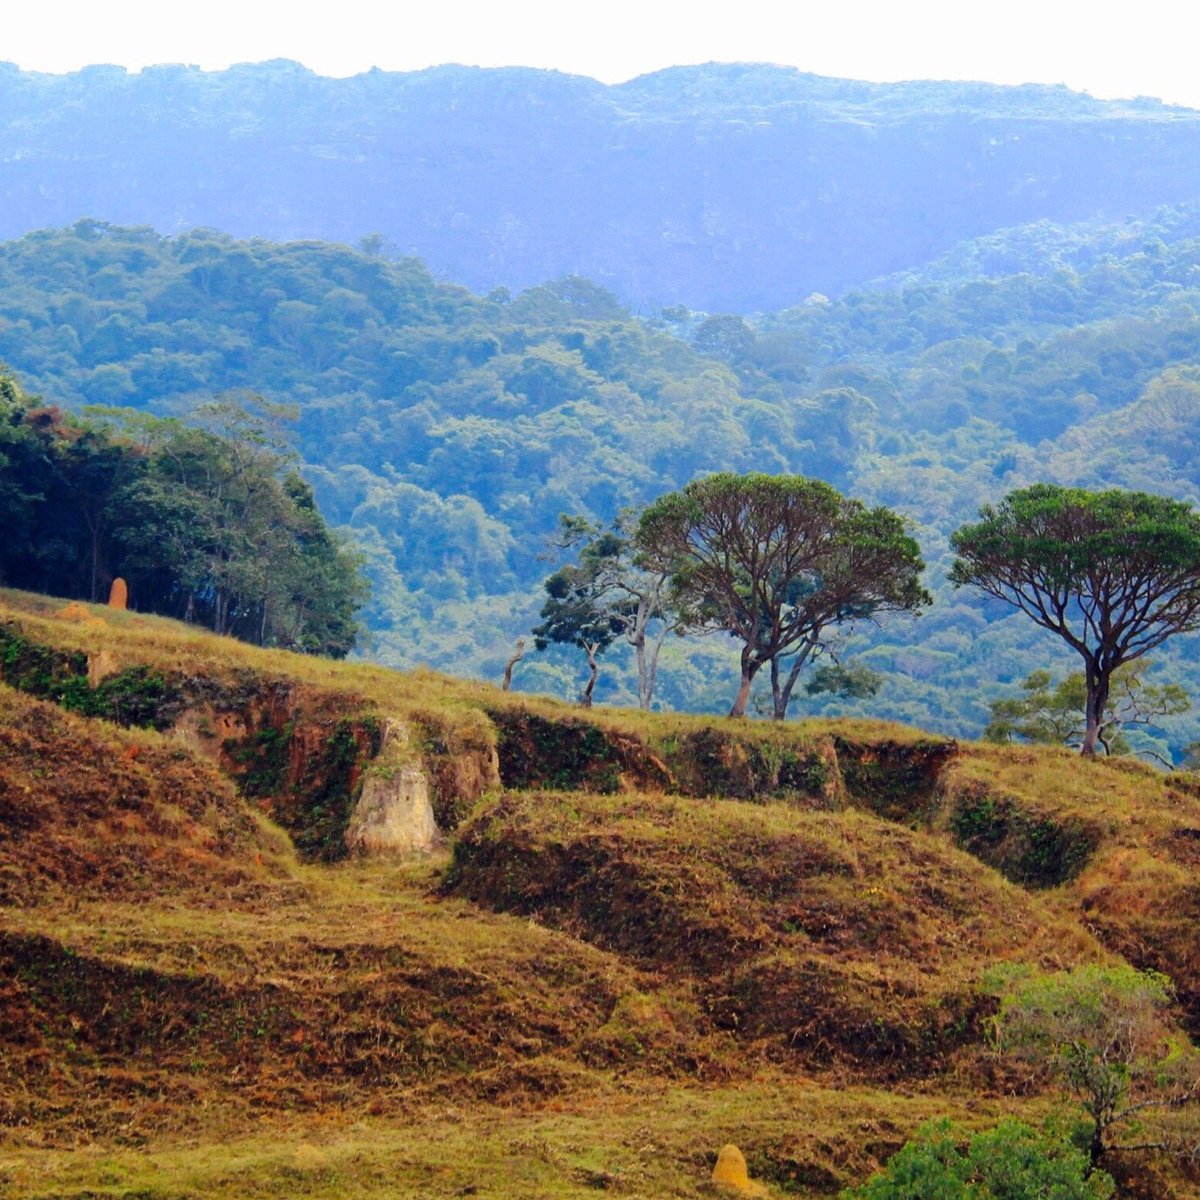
393	815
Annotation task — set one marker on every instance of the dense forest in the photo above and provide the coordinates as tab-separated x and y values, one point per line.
449	431
723	187
203	521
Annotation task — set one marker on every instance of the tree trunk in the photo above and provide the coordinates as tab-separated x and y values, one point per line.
220	611
95	585
516	656
1095	1148
647	693
749	670
1097	702
594	666
647	654
781	692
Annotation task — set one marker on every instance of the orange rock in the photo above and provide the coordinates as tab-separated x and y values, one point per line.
119	596
73	612
731	1173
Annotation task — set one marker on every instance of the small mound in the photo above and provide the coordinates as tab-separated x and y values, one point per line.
92	810
839	937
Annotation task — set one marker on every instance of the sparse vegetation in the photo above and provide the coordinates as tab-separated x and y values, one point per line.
700	929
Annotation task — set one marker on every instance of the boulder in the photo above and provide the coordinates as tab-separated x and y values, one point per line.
393	815
730	1174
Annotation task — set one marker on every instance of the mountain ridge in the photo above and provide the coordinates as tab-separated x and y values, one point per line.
726	187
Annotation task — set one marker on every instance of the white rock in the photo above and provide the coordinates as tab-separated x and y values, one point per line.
393	815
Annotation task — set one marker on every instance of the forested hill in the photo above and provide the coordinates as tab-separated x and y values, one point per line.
449	430
722	187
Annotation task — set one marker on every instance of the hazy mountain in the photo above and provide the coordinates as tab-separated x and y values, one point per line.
721	187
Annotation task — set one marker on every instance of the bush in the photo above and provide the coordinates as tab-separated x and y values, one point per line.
1011	1162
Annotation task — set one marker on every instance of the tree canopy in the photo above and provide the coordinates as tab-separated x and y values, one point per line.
1114	574
1106	1035
206	521
774	561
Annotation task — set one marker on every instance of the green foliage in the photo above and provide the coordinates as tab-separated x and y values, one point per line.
776	561
1056	352
844	679
1114	574
1105	1035
1054	715
261	760
1032	850
576	613
136	696
1010	1162
535	752
204	521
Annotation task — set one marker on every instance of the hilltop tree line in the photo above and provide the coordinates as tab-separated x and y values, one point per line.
779	563
207	521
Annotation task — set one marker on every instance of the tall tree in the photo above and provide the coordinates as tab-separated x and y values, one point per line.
776	561
575	615
622	588
1114	574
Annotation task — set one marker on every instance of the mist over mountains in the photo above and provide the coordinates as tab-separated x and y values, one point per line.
1039	318
721	187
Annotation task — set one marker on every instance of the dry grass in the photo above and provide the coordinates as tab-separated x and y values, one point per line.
832	938
91	809
615	986
174	647
637	1140
1135	882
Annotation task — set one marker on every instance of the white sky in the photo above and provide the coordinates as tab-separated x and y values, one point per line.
1110	50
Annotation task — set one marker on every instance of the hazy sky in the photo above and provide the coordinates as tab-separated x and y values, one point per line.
1107	49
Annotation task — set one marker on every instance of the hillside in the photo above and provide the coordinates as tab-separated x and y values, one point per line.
630	938
447	431
732	187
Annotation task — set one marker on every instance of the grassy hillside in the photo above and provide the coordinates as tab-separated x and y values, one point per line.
642	936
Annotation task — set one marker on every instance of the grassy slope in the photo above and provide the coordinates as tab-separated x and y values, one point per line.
602	990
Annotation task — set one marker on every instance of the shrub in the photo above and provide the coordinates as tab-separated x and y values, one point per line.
1010	1162
1106	1035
